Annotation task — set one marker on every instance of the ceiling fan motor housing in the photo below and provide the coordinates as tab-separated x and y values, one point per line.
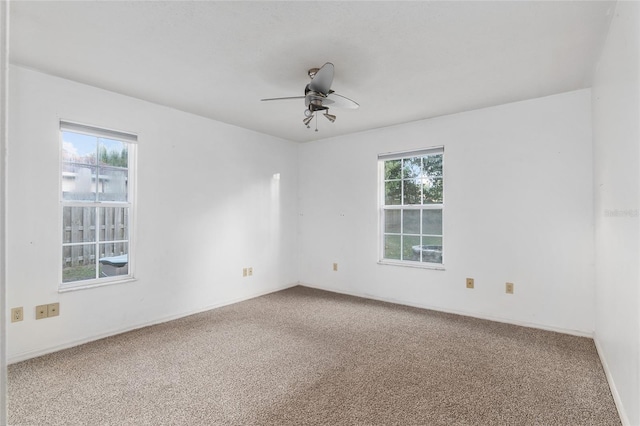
314	99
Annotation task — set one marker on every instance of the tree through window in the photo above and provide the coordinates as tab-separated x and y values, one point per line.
411	206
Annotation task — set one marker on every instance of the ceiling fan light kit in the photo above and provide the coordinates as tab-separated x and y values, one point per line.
318	95
307	120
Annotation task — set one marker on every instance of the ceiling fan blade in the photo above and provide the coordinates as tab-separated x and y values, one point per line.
282	99
340	101
323	79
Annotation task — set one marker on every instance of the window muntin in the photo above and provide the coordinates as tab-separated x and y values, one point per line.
96	194
411	207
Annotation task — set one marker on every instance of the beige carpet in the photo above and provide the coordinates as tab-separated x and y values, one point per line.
308	357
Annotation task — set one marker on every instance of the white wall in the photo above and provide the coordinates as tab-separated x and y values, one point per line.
616	130
518	208
207	206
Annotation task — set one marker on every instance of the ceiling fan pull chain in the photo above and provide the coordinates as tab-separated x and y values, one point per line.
316	122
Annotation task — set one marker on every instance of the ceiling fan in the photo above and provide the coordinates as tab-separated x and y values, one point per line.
318	95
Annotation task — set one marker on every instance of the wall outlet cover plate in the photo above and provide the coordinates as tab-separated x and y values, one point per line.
17	314
509	288
42	311
53	309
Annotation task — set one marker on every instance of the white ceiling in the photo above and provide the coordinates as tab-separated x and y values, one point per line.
402	61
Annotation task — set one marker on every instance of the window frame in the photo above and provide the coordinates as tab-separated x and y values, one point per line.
131	140
382	207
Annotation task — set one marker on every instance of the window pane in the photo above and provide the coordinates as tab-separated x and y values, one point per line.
114	259
78	263
392	247
392	169
392	221
431	249
432	222
411	167
411	192
392	193
113	184
113	153
431	241
411	222
78	171
432	165
78	182
432	190
114	223
78	224
410	248
114	160
78	148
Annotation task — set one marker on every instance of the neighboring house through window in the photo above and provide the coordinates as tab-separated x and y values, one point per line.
96	200
411	206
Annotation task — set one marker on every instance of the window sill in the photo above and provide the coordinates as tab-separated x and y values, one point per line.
69	288
435	267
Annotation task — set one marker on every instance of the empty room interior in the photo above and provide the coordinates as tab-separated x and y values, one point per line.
320	212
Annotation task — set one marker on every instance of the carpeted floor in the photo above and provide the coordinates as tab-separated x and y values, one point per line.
308	357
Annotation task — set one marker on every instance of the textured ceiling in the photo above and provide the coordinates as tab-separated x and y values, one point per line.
402	61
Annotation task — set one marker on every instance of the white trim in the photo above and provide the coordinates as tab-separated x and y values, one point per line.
100	132
76	203
4	146
438	206
70	344
100	282
456	312
411	153
411	264
83	243
612	385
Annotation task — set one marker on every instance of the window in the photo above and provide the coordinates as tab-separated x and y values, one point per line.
96	202
411	189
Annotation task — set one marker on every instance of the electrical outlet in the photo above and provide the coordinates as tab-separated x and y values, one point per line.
508	288
17	314
42	311
335	266
244	272
469	282
250	271
53	309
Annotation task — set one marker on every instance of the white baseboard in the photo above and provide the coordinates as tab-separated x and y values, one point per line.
614	390
66	345
457	312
